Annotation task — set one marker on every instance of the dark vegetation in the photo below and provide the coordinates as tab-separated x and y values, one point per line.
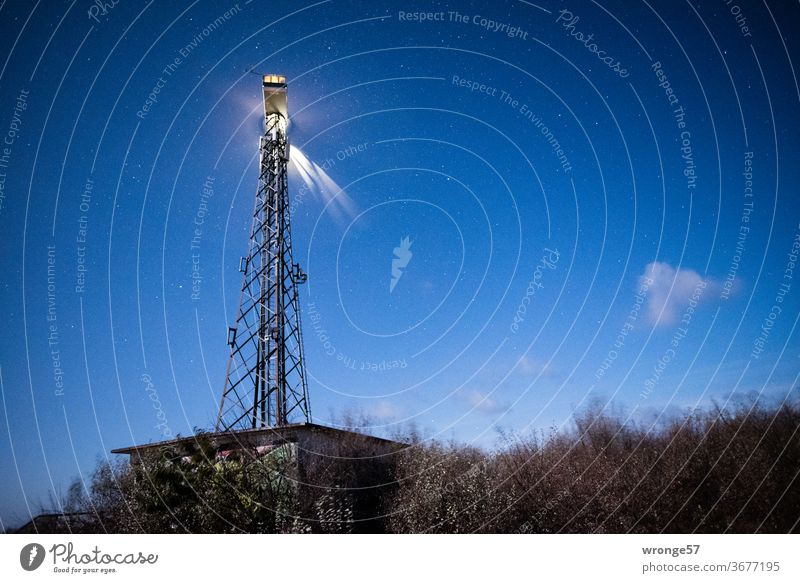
715	471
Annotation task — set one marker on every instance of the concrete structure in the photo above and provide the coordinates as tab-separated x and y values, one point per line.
348	471
306	441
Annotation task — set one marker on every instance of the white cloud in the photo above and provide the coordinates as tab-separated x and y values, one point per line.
481	402
530	367
384	410
670	290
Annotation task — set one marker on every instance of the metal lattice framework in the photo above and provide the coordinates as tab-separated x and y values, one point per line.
265	385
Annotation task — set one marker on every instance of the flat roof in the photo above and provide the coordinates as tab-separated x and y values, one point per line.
284	431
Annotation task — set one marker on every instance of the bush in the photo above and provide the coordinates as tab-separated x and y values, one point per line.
717	471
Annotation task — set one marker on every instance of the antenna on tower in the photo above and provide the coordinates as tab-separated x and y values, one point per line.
265	384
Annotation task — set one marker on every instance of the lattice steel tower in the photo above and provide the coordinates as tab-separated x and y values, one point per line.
265	385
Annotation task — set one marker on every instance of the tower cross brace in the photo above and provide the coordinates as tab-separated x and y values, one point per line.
265	383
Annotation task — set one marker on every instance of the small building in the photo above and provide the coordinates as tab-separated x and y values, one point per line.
321	463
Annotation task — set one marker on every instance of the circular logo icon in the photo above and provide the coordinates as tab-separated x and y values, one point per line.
31	556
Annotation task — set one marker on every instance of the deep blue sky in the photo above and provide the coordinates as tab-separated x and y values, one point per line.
400	147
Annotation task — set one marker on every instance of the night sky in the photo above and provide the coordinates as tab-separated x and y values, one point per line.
507	211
